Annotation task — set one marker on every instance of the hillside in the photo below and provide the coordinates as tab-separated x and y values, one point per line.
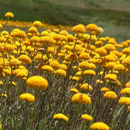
113	16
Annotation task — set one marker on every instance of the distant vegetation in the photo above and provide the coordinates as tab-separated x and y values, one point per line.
112	18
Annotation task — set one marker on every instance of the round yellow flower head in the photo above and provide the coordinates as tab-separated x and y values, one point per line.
71	56
60	72
9	15
101	51
25	59
110	95
126	51
47	40
111	77
56	30
105	89
127	85
70	38
86	117
37	82
119	67
74	90
14	62
60	116
1	26
124	101
9	47
3	95
99	81
81	98
125	91
80	28
128	108
32	30
126	61
63	32
84	56
27	96
89	72
55	64
99	126
92	27
63	66
110	65
109	47
37	24
45	33
47	68
85	86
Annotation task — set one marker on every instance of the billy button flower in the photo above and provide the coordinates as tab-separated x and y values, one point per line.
128	108
70	38
25	59
127	85
9	15
109	47
99	126
126	61
63	32
64	67
47	68
86	86
1	26
37	82
14	63
126	51
55	64
60	72
4	95
45	33
86	117
104	89
80	28
27	96
110	95
119	67
73	89
89	72
33	30
101	51
71	56
47	40
125	91
124	101
9	47
111	77
56	30
60	116
40	65
91	27
81	98
37	24
84	56
110	65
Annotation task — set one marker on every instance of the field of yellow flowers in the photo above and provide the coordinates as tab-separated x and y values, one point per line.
54	80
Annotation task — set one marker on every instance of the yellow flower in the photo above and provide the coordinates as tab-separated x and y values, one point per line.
110	65
60	116
126	61
37	82
57	37
47	40
3	95
85	86
125	91
56	30
22	73
89	72
37	24
128	108
119	67
47	68
25	59
84	56
110	95
9	15
1	82
72	56
55	64
32	30
101	51
7	71
34	39
84	65
109	47
27	96
63	66
109	58
1	26
127	85
45	33
70	38
99	81
74	90
74	78
60	72
92	27
80	28
14	62
63	32
81	98
9	47
86	117
111	77
124	101
105	89
99	126
126	51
